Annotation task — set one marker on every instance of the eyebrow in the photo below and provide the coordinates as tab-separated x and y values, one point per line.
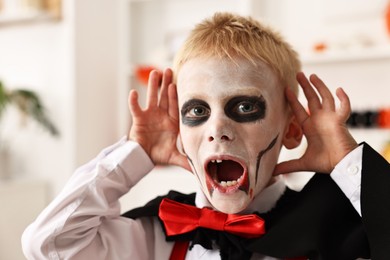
249	91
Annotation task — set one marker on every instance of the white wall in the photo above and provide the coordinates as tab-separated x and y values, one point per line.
72	64
39	57
96	77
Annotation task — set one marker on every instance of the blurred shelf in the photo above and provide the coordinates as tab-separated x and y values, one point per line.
24	18
140	1
353	55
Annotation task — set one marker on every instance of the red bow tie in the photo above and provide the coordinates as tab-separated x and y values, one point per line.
181	218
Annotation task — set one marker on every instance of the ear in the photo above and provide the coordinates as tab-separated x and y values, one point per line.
292	134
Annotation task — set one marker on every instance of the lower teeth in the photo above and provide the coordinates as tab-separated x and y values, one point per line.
230	183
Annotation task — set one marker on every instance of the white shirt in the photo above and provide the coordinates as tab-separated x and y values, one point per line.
84	222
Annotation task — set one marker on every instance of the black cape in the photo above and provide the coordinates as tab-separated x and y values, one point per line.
318	222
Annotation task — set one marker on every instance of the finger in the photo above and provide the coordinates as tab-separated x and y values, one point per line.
294	165
134	106
345	104
323	90
173	107
310	94
166	80
153	84
297	108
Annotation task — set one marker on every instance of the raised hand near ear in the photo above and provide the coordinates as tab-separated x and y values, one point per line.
156	127
324	126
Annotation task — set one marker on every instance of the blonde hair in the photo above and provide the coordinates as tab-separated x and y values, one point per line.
233	36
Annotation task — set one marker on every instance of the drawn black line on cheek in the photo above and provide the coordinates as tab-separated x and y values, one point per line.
193	167
245	189
261	153
211	189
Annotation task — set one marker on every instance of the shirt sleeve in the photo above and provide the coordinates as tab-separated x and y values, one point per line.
348	174
83	221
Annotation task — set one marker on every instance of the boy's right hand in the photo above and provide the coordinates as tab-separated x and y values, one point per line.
156	127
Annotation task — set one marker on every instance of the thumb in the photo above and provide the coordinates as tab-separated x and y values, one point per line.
181	161
294	165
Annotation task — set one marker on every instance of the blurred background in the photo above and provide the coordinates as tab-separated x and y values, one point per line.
81	58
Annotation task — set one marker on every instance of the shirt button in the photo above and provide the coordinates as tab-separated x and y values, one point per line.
353	170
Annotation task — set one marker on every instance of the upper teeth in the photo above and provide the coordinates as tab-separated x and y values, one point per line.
216	161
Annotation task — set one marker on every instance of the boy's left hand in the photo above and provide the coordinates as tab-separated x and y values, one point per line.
324	126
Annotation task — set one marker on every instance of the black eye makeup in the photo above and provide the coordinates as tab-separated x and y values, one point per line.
194	112
246	108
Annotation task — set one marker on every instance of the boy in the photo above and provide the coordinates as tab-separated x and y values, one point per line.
231	117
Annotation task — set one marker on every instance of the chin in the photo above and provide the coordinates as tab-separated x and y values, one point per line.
230	203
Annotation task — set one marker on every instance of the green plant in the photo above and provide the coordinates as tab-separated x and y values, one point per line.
28	104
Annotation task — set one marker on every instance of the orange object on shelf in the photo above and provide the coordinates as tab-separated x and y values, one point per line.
320	47
142	73
384	118
387	18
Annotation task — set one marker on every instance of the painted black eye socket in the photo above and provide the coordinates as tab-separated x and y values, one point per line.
246	108
194	112
199	111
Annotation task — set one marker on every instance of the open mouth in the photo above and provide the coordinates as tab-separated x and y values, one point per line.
226	176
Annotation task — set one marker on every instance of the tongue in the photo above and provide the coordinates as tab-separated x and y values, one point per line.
229	171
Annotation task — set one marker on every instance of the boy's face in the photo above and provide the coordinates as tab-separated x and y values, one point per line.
232	122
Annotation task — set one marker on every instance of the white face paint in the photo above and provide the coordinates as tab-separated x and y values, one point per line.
233	117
